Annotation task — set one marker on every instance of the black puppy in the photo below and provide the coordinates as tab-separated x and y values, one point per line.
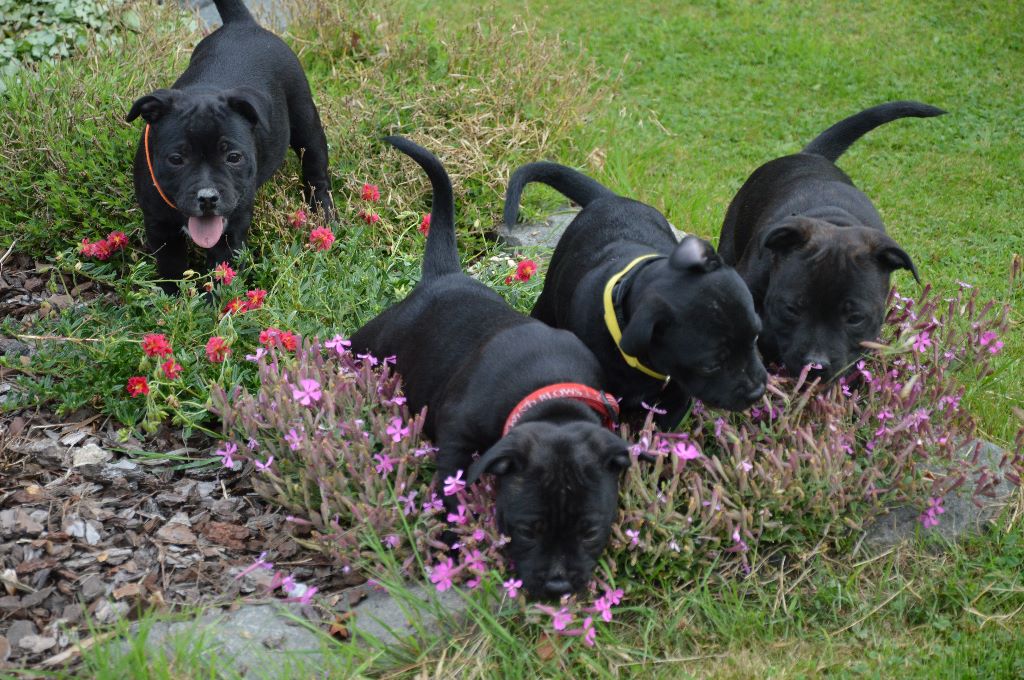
219	133
814	251
523	394
667	319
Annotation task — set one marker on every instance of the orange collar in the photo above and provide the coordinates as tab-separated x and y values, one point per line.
603	403
149	164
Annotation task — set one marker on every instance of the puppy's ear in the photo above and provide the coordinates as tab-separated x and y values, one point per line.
788	235
152	107
638	333
893	257
694	255
501	459
251	104
615	455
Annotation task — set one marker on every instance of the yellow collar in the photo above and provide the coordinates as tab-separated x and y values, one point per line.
612	322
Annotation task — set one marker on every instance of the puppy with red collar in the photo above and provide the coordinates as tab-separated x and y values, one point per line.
524	395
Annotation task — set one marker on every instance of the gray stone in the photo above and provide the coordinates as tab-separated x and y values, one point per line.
272	14
545	234
20	628
962	517
391	619
254	641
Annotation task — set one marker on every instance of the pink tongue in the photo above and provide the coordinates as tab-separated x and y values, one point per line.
206	231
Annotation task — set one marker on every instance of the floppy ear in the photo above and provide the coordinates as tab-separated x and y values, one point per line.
152	107
616	455
694	254
251	104
788	235
893	257
501	459
636	336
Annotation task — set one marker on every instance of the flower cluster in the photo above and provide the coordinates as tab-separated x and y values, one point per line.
253	300
525	269
104	248
154	346
370	194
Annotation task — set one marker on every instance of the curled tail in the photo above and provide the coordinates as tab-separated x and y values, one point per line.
233	10
573	184
442	254
834	141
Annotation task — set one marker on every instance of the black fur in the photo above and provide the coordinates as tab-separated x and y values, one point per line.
470	358
219	133
684	314
814	251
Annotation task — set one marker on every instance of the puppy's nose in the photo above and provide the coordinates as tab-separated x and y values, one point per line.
821	367
755	392
208	198
557	587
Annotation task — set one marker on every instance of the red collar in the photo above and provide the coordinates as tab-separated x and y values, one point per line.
603	403
149	164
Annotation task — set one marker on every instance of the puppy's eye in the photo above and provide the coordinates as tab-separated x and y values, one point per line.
530	532
855	319
234	157
591	533
176	159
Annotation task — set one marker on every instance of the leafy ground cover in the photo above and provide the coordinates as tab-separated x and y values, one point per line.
672	104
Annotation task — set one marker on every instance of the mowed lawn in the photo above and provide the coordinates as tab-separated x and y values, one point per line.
703	93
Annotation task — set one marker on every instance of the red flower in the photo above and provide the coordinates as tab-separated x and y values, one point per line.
235	306
275	337
321	238
371	192
217	350
509	279
369	217
525	269
155	345
224	272
425	225
298	220
172	369
100	250
137	386
117	240
255	298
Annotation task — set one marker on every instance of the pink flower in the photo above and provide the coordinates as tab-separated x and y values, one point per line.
634	537
137	386
653	409
922	342
425	225
155	345
229	450
369	216
117	240
614	596
171	368
409	502
453	485
525	270
396	431
224	273
260	352
307	392
258	564
298	219
217	349
368	358
441	575
745	465
294	439
254	298
100	250
384	463
589	632
321	238
684	450
988	337
371	193
338	344
930	517
459	516
603	606
512	586
561	619
263	467
435	504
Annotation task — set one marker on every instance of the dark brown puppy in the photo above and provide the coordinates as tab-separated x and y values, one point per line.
813	249
510	387
219	133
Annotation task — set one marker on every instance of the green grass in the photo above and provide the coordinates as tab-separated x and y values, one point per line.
670	103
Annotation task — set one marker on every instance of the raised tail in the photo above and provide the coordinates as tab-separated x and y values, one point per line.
573	184
442	254
233	10
834	141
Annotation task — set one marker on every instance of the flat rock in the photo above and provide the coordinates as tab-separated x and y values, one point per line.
545	234
392	619
960	519
254	641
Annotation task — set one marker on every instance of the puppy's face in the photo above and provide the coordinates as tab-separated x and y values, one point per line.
696	322
826	293
558	490
203	152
